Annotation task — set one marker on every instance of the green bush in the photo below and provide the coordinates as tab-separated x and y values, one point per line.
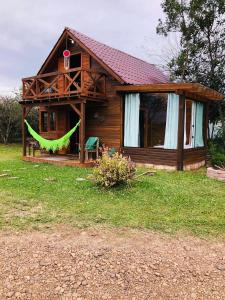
217	154
218	160
113	171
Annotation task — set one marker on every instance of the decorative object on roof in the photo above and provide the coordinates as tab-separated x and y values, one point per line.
130	69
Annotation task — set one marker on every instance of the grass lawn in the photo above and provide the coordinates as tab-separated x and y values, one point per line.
33	196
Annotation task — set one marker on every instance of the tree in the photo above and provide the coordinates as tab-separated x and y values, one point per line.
201	25
11	116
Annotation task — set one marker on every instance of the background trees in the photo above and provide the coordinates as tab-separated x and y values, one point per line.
10	118
201	58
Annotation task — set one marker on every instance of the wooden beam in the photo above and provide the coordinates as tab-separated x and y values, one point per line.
24	132
82	132
33	103
73	106
148	88
194	88
180	140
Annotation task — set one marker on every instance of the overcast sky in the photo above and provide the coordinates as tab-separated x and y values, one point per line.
29	29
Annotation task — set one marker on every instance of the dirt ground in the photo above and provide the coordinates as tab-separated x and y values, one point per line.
66	263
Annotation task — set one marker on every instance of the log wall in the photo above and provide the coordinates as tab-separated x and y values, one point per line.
157	156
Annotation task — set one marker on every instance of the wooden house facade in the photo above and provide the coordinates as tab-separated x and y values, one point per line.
127	103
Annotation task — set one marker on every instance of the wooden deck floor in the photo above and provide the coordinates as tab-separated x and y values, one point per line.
59	160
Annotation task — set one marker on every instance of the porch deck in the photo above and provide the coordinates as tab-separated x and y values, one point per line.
59	160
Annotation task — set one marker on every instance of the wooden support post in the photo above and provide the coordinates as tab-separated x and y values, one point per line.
24	132
180	142
82	132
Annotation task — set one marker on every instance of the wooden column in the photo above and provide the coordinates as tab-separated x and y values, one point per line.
82	131
180	141
24	131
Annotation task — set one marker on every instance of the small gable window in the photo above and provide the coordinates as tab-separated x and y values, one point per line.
75	61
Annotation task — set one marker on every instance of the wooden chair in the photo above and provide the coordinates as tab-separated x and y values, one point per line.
32	146
92	146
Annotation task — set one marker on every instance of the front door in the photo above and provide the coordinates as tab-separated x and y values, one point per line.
74	140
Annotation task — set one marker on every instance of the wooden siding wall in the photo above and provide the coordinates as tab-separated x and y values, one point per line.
108	125
196	155
155	156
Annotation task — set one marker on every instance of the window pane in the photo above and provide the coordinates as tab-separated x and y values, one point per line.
53	121
153	119
188	125
44	121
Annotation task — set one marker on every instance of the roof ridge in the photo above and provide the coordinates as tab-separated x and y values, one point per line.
144	61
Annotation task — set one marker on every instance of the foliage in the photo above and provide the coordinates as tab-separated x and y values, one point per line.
217	154
169	201
113	170
201	58
10	119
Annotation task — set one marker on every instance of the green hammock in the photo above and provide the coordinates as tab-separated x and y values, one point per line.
52	145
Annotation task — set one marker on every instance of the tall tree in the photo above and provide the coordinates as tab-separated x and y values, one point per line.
201	25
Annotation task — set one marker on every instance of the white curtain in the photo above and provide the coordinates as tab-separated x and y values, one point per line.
172	116
197	124
131	120
185	124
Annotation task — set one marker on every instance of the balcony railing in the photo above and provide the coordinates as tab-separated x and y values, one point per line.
73	82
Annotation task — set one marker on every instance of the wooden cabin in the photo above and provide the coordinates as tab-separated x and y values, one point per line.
126	102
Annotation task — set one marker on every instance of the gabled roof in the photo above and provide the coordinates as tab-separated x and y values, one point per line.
130	69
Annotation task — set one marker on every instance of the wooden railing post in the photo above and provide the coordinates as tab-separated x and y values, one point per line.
82	131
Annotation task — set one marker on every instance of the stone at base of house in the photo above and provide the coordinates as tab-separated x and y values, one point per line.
189	167
216	174
194	166
156	167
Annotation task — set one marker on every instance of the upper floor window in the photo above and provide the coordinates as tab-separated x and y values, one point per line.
75	61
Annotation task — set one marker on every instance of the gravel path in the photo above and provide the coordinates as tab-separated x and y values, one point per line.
68	264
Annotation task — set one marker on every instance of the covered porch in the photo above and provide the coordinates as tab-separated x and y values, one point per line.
56	118
59	160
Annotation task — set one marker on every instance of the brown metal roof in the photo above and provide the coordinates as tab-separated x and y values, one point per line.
130	69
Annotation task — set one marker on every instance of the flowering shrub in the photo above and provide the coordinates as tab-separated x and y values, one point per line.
113	171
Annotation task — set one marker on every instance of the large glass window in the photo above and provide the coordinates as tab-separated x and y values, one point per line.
44	121
153	119
145	119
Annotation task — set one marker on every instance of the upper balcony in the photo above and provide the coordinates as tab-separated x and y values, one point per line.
74	82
